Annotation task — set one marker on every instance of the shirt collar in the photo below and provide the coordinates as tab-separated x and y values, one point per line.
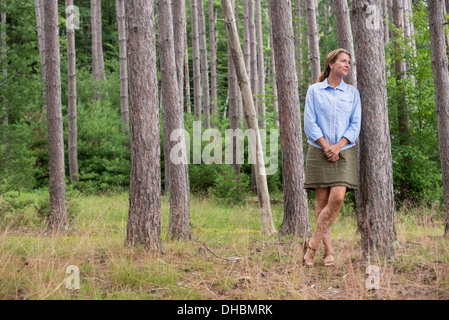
342	86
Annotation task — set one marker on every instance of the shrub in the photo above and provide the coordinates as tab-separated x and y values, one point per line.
229	187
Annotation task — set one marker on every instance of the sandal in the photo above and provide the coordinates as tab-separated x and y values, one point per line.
305	248
328	260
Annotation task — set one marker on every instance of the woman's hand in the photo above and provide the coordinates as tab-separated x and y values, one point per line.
333	152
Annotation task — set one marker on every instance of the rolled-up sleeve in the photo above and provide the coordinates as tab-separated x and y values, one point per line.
311	128
355	119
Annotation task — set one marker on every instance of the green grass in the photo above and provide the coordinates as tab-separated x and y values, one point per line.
227	258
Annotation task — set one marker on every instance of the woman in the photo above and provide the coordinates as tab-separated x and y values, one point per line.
332	124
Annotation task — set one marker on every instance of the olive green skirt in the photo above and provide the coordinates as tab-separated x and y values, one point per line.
322	173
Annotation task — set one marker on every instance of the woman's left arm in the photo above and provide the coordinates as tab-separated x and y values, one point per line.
355	120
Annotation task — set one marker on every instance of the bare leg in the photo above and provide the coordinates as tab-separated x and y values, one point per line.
322	197
326	217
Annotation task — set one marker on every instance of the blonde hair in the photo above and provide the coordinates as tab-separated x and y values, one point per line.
331	58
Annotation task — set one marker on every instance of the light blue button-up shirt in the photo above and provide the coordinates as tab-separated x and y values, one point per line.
332	113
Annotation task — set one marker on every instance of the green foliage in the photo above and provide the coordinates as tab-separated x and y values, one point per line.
230	187
33	209
416	168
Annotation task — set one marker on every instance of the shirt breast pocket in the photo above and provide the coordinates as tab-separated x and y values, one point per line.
346	103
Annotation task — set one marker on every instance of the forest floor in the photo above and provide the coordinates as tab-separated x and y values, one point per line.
226	259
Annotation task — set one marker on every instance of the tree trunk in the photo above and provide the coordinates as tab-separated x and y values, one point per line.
242	122
5	72
197	104
120	7
71	69
298	40
375	209
204	65
344	35
273	75
213	60
179	220
412	26
58	213
100	41
40	23
234	93
253	75
390	14
179	21
246	40
441	80
187	71
260	67
267	225
410	34
296	213
314	51
253	54
144	220
386	22
400	70
95	55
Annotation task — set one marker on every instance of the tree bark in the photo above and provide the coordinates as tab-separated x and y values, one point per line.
399	69
234	93
267	225
409	33
412	26
5	72
179	21
58	214
179	219
297	26
187	71
253	75
260	67
314	51
144	220
213	61
386	22
375	209
441	80
204	65
242	122
95	55
97	46
253	54
40	23
197	104
100	41
344	35
273	75
72	96
296	213
246	39
124	103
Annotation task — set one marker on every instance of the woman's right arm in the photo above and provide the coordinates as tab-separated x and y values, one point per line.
311	128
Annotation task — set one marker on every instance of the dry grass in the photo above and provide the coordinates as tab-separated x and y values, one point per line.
227	258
